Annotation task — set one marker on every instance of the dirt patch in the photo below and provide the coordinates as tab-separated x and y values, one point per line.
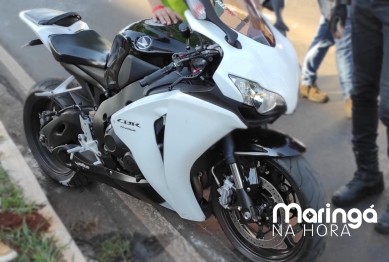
34	221
84	227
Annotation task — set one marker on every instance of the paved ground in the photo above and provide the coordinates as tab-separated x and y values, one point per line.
161	235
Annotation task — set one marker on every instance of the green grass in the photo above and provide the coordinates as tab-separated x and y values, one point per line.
113	249
30	245
11	197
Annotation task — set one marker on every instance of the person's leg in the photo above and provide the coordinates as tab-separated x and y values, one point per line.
344	63
382	13
314	57
367	49
316	53
344	60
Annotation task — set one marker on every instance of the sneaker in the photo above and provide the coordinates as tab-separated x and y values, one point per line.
349	108
313	93
6	253
383	222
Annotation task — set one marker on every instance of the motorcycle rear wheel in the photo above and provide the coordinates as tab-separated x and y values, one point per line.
310	194
46	160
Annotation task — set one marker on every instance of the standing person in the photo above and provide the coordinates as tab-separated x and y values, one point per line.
316	53
370	43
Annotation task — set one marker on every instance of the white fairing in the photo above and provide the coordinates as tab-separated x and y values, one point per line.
191	127
274	68
44	31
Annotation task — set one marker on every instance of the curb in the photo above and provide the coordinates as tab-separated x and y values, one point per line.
174	243
19	172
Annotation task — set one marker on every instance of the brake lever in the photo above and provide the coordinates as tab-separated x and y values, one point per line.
184	78
182	57
179	80
195	74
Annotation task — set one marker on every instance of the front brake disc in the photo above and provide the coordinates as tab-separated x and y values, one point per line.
270	240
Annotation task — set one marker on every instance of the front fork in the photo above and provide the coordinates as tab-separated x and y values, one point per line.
245	203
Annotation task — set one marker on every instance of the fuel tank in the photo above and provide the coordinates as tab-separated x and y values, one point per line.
140	49
154	43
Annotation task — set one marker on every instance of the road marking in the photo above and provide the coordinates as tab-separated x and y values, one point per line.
25	80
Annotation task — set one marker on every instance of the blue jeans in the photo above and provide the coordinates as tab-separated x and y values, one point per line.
318	50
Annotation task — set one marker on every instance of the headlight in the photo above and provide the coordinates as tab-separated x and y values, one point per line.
254	95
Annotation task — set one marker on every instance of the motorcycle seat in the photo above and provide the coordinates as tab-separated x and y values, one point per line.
84	48
45	16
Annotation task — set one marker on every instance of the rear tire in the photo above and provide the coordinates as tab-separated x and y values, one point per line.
49	164
311	195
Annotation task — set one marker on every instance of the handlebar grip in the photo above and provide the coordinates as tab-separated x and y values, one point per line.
155	76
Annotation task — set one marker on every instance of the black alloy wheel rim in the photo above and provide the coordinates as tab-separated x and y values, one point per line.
287	250
40	105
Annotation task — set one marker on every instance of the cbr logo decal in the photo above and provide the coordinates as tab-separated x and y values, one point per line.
128	123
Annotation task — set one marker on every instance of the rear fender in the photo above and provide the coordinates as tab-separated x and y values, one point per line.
266	142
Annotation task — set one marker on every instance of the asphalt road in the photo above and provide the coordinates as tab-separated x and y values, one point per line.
322	128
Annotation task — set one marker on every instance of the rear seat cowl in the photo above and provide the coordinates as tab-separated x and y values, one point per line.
45	16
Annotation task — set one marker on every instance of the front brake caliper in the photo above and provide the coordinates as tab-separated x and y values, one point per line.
225	192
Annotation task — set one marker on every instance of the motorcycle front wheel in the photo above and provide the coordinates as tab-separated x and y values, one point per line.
281	180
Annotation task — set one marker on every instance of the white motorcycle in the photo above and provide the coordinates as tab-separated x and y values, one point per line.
176	116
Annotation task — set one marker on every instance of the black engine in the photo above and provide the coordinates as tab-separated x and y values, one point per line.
116	147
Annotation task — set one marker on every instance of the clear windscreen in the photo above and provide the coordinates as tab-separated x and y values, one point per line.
245	17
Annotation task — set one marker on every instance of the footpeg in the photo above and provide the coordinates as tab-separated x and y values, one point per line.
86	142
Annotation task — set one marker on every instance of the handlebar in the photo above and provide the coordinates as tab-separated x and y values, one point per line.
178	59
156	75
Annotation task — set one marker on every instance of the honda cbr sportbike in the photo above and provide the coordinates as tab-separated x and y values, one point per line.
177	116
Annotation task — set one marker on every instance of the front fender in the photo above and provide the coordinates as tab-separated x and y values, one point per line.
266	142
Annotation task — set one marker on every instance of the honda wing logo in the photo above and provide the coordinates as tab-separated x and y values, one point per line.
143	42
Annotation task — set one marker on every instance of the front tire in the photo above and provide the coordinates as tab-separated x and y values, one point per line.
46	160
310	194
